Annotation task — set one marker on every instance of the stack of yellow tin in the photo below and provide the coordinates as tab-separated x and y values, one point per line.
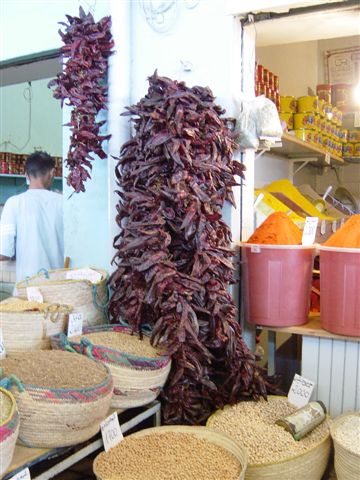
352	146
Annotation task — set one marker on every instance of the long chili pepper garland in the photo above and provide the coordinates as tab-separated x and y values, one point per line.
174	261
87	47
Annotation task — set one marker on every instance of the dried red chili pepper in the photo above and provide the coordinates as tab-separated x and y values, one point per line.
174	261
87	47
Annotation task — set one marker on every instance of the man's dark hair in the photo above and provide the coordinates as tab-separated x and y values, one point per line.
38	164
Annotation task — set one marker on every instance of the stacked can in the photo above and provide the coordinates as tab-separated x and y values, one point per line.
307	120
287	110
267	84
352	147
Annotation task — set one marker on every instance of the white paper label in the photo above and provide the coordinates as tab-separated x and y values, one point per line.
34	295
23	475
2	345
255	249
111	431
300	391
327	158
309	232
75	324
84	274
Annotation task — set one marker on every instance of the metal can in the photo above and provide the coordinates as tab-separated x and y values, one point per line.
348	149
266	76
303	420
354	136
305	135
288	118
316	138
322	107
323	91
328	111
357	150
260	73
304	120
278	101
276	83
308	104
343	135
317	121
271	80
326	142
328	127
262	89
287	104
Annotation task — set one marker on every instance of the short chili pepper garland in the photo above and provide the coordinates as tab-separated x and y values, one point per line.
87	47
173	259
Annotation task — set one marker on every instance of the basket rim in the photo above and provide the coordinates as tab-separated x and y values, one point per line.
286	459
336	423
63	308
24	283
13	406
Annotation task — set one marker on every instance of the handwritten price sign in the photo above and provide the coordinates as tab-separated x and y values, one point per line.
23	475
111	432
75	325
300	391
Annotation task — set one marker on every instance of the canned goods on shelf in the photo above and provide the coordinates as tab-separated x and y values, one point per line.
323	126
305	135
287	104
266	76
260	73
322	107
317	138
317	121
271	80
328	111
323	91
326	141
276	82
288	118
343	135
328	126
304	120
348	149
354	136
308	104
357	149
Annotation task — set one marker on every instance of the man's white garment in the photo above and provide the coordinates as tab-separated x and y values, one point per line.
32	227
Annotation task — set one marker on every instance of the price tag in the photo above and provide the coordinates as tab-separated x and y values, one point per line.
309	232
300	391
75	324
323	227
255	249
342	221
22	475
111	432
84	274
2	345
34	295
327	158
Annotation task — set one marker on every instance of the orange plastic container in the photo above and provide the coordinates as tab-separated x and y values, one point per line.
340	290
277	282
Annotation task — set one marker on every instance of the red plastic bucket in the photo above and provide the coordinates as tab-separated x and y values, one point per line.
277	282
340	290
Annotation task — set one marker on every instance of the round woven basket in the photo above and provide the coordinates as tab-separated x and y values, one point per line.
9	430
137	380
205	433
32	330
347	463
309	465
90	299
57	417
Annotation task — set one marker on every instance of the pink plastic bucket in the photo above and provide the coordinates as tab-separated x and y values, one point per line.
340	290
277	282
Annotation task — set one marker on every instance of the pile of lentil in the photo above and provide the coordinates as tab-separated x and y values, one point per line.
130	344
20	305
54	369
347	434
5	407
252	425
167	456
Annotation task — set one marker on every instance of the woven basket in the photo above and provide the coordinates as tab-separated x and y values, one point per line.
208	434
309	465
347	463
9	431
52	418
137	380
32	330
90	299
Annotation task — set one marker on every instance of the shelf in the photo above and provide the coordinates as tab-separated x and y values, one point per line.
296	149
312	329
13	175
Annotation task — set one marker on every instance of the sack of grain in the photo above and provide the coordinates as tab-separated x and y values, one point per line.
273	454
9	428
28	325
194	453
87	295
345	432
139	370
62	397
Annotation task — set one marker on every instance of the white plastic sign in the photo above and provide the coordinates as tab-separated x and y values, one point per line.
255	249
84	274
34	295
309	232
2	345
22	475
111	432
327	158
75	324
300	391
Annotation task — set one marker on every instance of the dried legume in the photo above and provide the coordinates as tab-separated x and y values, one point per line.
5	407
54	369
20	305
167	456
348	434
252	424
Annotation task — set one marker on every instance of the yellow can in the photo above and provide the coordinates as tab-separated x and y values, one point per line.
322	107
326	142
316	138
308	104
305	135
357	149
348	149
287	104
304	120
323	126
353	136
328	111
339	149
317	121
288	118
333	130
343	135
328	127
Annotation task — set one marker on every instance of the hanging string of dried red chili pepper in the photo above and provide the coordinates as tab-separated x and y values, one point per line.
174	261
87	47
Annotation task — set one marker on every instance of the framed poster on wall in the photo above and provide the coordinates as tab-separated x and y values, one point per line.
343	66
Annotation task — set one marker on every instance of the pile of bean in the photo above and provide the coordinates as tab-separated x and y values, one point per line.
5	407
124	342
252	425
54	369
167	456
348	434
20	305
